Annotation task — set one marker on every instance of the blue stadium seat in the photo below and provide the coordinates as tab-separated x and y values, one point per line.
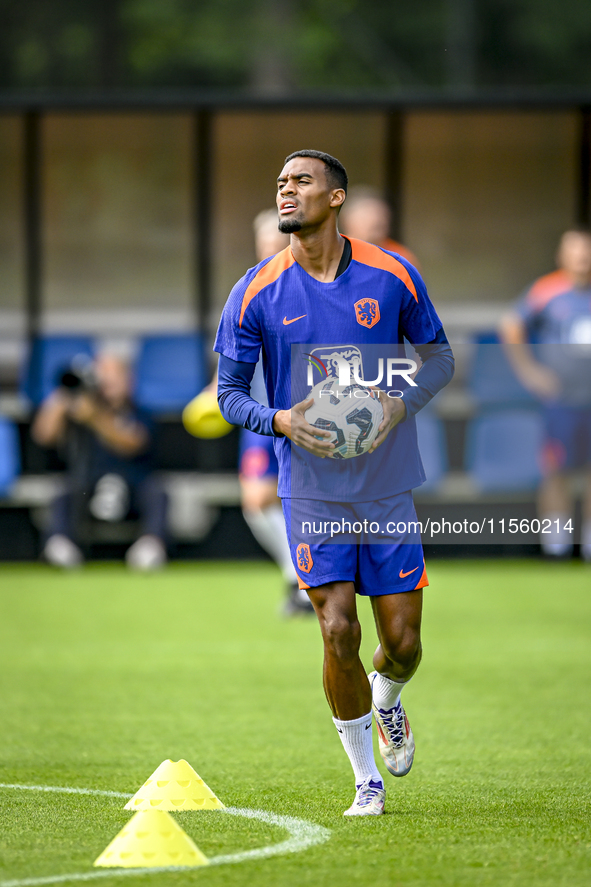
432	447
170	371
49	356
9	455
503	450
492	380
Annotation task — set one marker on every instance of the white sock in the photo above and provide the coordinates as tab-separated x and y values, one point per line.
558	541
268	528
586	540
386	693
357	742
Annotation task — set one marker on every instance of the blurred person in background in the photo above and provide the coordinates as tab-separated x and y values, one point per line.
367	216
258	469
106	445
555	314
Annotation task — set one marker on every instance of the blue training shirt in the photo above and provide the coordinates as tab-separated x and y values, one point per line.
557	316
380	299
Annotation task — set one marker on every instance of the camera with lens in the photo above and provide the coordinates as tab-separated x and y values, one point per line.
79	377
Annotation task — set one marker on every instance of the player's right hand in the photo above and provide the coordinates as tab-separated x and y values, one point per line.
292	424
540	380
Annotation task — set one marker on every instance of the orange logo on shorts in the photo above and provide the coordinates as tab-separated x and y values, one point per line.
368	312
304	557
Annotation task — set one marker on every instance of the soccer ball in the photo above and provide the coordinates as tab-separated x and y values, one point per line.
353	413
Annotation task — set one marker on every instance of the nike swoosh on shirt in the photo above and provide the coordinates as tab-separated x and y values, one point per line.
402	575
286	322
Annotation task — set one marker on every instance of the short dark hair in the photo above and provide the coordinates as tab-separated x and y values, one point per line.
336	173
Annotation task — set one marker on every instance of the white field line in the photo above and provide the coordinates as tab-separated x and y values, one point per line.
302	834
67	790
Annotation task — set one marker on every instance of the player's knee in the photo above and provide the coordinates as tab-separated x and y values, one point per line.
258	495
403	648
341	634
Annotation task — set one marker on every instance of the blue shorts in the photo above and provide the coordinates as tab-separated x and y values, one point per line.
376	545
257	459
568	439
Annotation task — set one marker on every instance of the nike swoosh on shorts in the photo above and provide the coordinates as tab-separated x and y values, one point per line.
403	575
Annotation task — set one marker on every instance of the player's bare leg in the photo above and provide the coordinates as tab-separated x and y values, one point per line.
347	690
555	503
345	681
398	622
262	512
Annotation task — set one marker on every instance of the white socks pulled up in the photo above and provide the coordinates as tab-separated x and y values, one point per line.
268	528
357	742
558	542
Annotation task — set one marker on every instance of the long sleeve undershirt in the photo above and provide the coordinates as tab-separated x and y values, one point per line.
239	408
236	404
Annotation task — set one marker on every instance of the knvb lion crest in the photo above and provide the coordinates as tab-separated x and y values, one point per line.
368	312
305	562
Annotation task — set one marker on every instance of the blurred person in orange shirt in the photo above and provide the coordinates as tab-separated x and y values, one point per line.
258	468
367	216
554	314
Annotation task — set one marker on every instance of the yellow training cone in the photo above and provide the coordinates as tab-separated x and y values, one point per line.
174	786
151	839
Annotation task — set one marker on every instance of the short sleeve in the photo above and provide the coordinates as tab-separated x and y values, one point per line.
239	335
526	308
420	322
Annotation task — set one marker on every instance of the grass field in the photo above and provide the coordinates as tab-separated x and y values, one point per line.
105	674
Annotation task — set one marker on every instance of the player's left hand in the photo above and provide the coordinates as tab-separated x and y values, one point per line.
394	412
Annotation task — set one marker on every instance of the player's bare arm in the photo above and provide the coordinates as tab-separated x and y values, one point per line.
292	424
537	378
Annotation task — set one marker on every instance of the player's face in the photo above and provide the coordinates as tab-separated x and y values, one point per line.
575	254
269	240
304	198
368	220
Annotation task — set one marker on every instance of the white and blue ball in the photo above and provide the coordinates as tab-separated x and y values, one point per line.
352	413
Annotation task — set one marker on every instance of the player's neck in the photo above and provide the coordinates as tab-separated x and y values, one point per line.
318	252
581	281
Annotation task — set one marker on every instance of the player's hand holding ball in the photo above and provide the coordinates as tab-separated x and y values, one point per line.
341	422
394	412
293	424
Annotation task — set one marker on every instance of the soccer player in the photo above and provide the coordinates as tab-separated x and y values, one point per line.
325	287
367	216
555	313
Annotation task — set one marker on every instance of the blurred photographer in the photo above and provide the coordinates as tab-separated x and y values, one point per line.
106	445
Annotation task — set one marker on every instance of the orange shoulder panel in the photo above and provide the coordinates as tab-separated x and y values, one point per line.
394	247
268	274
368	254
548	287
